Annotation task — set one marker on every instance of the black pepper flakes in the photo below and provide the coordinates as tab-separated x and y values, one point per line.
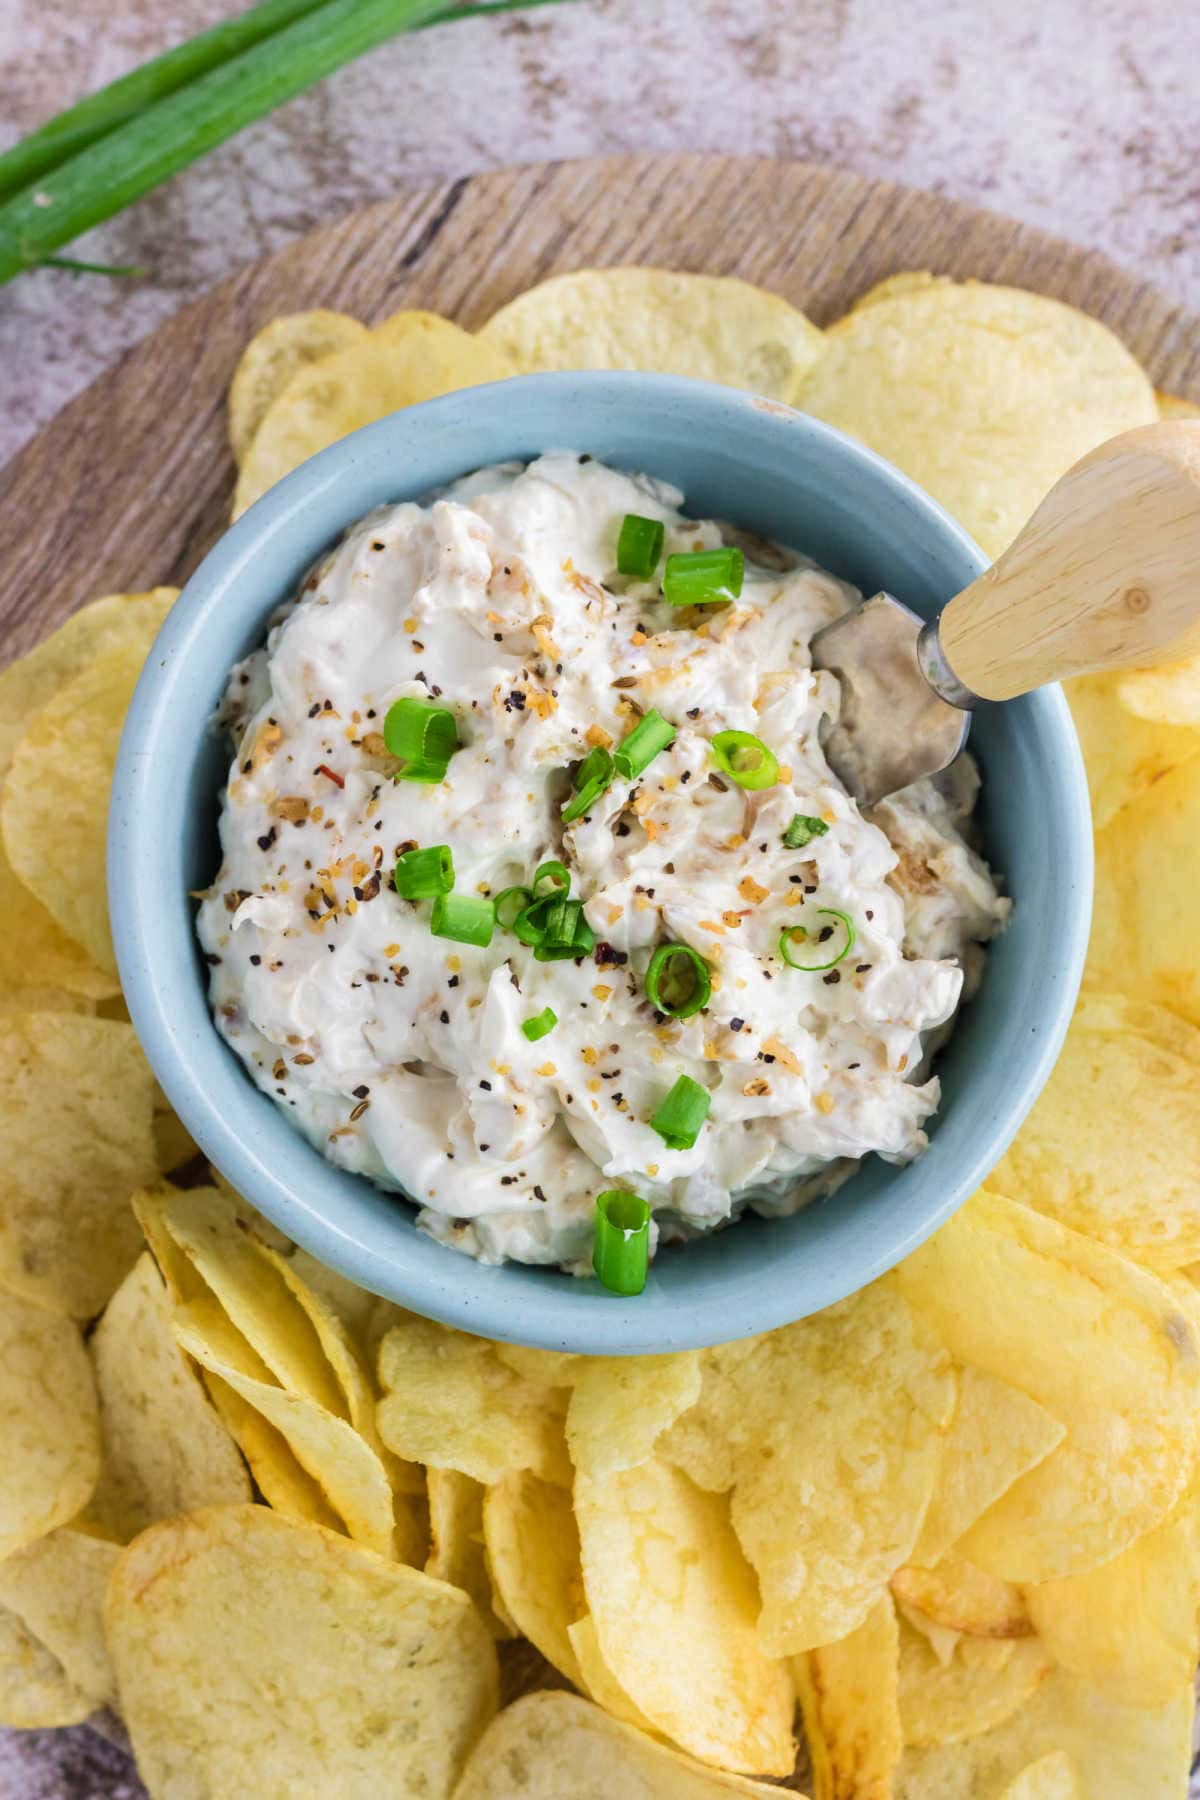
444	1016
736	1024
833	977
361	1091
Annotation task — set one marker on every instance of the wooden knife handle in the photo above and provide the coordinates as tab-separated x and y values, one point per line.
1105	574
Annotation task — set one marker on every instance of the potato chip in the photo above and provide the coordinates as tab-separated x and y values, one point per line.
36	953
150	1207
985	395
941	1639
1130	1627
173	1142
996	1435
1168	695
905	281
875	1391
674	1604
1099	1343
335	1340
979	1687
1124	754
962	1597
848	1696
621	1404
49	1423
1173	406
1049	1778
273	356
415	356
349	1471
1118	1752
1112	1146
56	1588
457	1550
533	1552
164	1449
598	1680
548	1746
76	1137
555	1368
451	1403
35	1689
284	1485
258	1656
710	327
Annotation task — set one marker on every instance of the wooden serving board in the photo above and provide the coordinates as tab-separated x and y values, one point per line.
130	484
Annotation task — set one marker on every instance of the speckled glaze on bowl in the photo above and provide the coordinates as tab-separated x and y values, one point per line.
734	456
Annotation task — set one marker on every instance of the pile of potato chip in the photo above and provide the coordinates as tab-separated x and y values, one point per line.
302	1541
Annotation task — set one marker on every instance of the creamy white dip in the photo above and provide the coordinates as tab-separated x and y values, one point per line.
400	1054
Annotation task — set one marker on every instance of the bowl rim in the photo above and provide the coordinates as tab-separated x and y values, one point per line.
150	951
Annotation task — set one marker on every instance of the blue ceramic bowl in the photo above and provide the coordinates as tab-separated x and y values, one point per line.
776	472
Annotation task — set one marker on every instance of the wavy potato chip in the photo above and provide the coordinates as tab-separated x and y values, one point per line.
35	1689
1099	1343
598	1680
620	1406
996	1435
449	1402
1112	1146
413	356
49	1423
457	1548
258	1656
711	327
533	1553
273	356
1118	1752
961	1597
1124	753
76	1138
1131	1626
848	1695
550	1745
164	1448
983	394
56	1588
1051	1777
674	1605
875	1391
983	1682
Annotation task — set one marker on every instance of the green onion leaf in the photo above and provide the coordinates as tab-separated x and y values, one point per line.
567	933
639	546
802	830
636	751
530	925
745	759
592	777
699	577
682	1113
423	736
678	981
509	904
559	877
466	918
796	933
541	1024
621	1252
422	874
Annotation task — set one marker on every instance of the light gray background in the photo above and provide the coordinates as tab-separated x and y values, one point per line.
1082	116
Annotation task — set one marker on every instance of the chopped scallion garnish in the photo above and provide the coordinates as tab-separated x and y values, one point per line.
638	750
422	874
423	736
639	546
745	759
559	877
567	933
530	924
466	918
621	1252
699	577
592	777
541	1024
802	830
509	904
798	934
678	981
682	1113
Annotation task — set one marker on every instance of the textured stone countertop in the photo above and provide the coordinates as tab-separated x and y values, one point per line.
1076	115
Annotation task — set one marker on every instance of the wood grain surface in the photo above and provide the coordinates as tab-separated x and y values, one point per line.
130	484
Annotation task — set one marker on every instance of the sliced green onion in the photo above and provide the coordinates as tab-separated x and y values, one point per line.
639	545
792	932
559	877
698	577
465	918
420	874
682	1113
509	904
802	830
638	750
423	736
540	1024
621	1253
745	759
567	933
530	924
592	777
678	981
